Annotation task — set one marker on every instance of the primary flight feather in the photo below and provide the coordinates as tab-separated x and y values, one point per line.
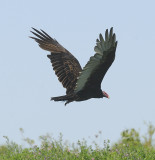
81	84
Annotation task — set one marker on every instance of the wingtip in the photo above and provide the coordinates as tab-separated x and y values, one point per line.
32	38
32	29
101	38
114	37
106	34
42	30
116	43
111	31
33	33
97	40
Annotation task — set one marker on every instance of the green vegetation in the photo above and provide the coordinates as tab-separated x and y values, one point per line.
130	147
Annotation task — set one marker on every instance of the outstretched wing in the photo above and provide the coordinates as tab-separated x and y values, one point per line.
65	65
93	73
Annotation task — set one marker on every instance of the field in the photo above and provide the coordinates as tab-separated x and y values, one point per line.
130	147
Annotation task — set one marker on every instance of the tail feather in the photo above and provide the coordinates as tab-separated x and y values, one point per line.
60	98
67	98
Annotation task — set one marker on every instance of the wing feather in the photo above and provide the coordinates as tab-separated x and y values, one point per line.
94	71
65	65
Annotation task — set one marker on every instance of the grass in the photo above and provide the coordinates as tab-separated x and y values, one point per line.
130	147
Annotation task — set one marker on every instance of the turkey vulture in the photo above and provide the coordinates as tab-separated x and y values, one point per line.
81	84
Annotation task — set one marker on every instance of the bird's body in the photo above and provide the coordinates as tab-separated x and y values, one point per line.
81	84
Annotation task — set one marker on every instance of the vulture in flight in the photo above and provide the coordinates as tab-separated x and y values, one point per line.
81	84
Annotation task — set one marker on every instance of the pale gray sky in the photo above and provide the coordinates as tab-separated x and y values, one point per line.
28	81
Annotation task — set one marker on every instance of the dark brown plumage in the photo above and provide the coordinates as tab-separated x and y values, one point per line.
64	64
80	84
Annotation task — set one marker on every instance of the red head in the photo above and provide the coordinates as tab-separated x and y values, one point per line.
105	94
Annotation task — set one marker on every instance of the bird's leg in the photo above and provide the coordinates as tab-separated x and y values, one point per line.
68	101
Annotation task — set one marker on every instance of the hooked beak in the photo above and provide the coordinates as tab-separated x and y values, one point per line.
106	95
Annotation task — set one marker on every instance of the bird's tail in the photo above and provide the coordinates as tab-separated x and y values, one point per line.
60	98
67	98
